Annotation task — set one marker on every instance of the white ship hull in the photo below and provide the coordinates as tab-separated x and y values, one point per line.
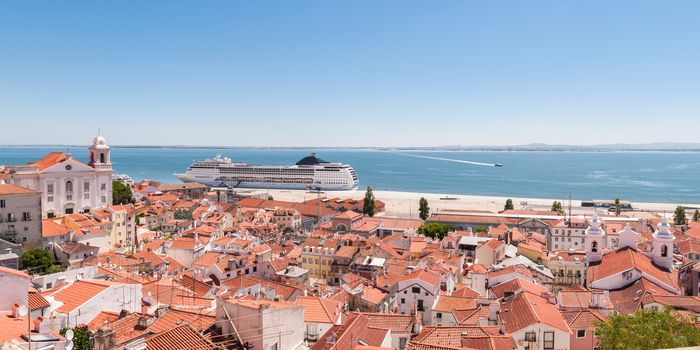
308	173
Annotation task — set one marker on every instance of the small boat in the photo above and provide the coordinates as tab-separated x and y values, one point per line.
498	165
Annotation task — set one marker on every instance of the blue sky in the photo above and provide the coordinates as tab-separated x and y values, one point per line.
349	73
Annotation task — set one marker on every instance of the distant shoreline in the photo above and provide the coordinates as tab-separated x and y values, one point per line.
591	149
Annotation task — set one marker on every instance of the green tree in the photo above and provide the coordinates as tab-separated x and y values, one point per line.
182	214
696	215
423	209
556	206
648	329
482	229
81	338
121	193
679	216
36	261
618	207
509	205
435	230
369	207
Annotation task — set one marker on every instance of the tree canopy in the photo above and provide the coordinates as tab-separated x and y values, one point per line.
369	207
648	329
121	193
182	214
435	230
81	338
509	205
618	207
557	206
696	215
423	209
37	261
679	215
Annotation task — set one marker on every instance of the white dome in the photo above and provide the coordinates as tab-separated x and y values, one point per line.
99	142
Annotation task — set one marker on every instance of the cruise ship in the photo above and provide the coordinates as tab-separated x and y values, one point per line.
310	173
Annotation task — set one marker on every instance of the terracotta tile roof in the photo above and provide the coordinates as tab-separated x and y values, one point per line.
465	292
101	318
49	160
173	318
447	303
461	337
509	270
51	228
76	294
346	251
18	273
626	259
518	285
8	189
583	319
12	329
472	317
349	335
150	257
373	295
397	323
179	338
319	310
580	299
494	244
183	243
525	310
199	288
424	275
37	301
348	214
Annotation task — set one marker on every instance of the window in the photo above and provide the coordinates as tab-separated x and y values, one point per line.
26	216
549	340
438	315
530	336
86	196
403	301
69	186
86	186
664	251
581	333
49	189
104	199
415	290
594	246
49	199
103	187
420	305
2	203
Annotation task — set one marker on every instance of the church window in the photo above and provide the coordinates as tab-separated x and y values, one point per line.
49	189
102	157
594	247
69	186
664	251
86	186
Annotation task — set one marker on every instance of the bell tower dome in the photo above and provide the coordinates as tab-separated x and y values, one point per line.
594	240
99	154
662	245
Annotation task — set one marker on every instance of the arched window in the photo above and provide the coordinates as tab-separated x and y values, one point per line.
594	246
102	157
69	186
664	251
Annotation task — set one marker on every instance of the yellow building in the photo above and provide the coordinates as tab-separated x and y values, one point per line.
568	267
318	261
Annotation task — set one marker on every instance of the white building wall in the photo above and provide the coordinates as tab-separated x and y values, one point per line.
14	290
562	339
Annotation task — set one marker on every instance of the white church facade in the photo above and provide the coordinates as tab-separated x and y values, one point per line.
68	185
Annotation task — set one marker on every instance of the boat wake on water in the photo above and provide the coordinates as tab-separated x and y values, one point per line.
452	160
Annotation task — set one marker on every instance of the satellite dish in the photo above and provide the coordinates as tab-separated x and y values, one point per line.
70	334
22	311
69	346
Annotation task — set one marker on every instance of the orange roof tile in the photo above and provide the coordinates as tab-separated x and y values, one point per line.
179	338
526	309
76	294
9	189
